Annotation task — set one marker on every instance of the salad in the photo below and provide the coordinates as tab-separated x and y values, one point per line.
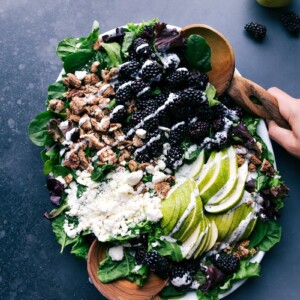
141	154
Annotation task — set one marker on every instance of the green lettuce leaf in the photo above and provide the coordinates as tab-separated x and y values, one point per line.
258	233
80	248
99	173
113	51
172	250
211	94
210	295
169	292
247	269
272	236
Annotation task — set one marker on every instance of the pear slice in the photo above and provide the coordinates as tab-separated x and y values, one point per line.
234	197
231	182
192	170
201	249
193	218
213	236
187	246
216	177
181	199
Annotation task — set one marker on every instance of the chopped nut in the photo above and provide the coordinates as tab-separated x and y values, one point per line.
77	105
162	189
91	79
74	118
251	167
90	169
91	89
94	143
110	75
107	155
56	105
267	168
240	159
132	165
108	140
103	102
171	179
242	251
85	122
68	178
103	125
115	127
137	141
106	90
259	146
131	107
255	160
143	166
124	155
72	161
94	67
140	187
83	160
97	45
73	93
72	81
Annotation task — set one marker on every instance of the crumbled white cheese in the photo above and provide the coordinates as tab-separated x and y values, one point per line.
134	177
159	177
150	169
141	133
80	75
116	253
109	209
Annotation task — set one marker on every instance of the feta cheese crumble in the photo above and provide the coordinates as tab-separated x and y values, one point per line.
110	209
116	253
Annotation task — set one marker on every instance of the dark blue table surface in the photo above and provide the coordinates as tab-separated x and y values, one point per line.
31	265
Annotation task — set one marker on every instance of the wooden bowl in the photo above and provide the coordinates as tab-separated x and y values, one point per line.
121	289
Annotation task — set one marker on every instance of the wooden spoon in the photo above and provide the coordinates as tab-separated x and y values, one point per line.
238	88
121	289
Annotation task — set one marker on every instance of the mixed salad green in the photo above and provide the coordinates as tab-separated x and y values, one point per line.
141	154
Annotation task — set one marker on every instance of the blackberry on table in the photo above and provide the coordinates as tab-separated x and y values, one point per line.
118	114
291	21
227	263
151	71
129	69
193	97
177	133
218	124
174	157
198	130
141	47
198	80
178	78
256	30
123	94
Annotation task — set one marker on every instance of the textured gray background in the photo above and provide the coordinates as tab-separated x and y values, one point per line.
31	265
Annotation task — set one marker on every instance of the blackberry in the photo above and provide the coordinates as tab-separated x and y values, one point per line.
155	149
219	110
164	269
151	71
140	255
153	104
198	80
291	21
170	61
204	113
198	130
191	265
145	93
227	100
123	94
137	86
177	133
129	69
140	241
164	118
227	263
178	78
142	156
133	56
137	117
174	157
193	97
161	98
150	123
155	261
75	135
218	124
238	112
256	30
179	271
141	47
118	114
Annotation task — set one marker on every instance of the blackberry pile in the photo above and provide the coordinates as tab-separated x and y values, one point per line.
256	30
169	103
227	263
291	21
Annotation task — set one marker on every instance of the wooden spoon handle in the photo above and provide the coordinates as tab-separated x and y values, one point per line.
241	89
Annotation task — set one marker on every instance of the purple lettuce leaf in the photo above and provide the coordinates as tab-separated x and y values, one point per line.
213	277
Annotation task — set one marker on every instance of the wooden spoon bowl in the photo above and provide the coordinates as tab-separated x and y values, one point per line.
222	76
121	289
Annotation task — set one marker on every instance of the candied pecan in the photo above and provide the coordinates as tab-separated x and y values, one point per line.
72	81
95	66
74	118
94	143
56	105
107	155
83	160
77	105
251	167
242	251
103	102
115	127
85	122
91	79
162	189
140	187
108	91
72	161
108	140
143	166
91	89
267	168
110	75
124	155
255	160
68	178
132	165
103	125
73	93
137	141
240	159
